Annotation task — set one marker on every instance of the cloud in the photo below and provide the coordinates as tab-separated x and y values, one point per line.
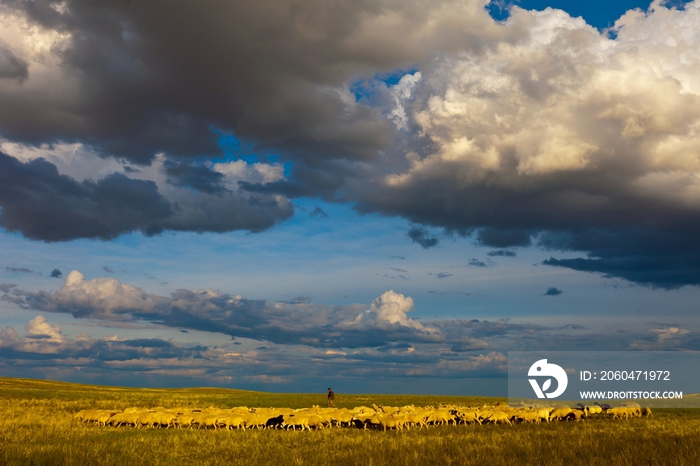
467	348
666	338
11	66
107	269
421	236
45	346
197	177
55	273
535	131
441	293
318	212
478	263
43	204
17	270
38	328
5	287
663	259
563	132
502	253
441	275
300	322
388	312
469	344
553	291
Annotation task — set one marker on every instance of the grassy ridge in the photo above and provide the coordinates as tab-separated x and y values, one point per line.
36	427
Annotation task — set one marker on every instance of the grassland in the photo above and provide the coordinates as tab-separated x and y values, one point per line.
36	427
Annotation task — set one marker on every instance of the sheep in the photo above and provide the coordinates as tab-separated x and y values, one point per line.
372	421
500	416
318	418
440	417
603	406
527	416
342	417
415	418
148	419
183	420
257	420
391	422
232	421
131	419
295	420
98	416
468	417
484	414
590	410
205	419
543	414
104	417
389	409
164	419
560	414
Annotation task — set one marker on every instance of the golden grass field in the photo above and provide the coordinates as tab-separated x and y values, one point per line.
37	427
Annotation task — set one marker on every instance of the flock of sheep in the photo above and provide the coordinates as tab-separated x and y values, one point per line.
376	417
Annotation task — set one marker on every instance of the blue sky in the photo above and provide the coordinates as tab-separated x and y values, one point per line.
409	202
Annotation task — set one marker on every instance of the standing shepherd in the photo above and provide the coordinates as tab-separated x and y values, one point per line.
331	397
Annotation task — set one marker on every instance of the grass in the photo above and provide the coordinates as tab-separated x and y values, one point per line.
36	428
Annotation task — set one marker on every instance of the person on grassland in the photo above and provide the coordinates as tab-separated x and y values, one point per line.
331	397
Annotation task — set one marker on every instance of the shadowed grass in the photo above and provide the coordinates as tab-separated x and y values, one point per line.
36	427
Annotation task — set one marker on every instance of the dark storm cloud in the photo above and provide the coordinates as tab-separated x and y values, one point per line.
499	238
5	287
42	204
12	67
275	76
668	259
55	273
614	174
646	241
551	291
170	71
45	205
421	236
197	177
472	141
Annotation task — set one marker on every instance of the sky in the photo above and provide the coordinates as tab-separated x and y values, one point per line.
378	196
